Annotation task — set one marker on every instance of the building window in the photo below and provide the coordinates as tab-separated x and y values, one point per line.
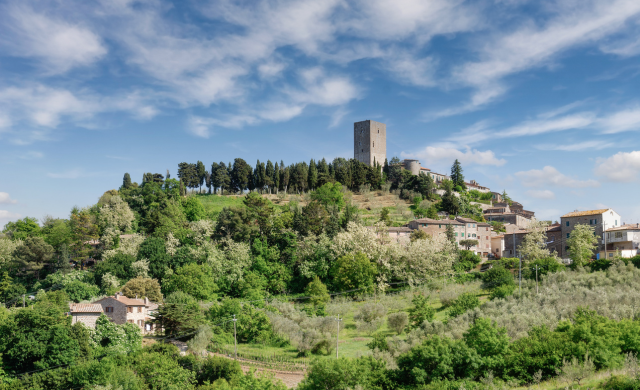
139	309
374	144
618	234
567	223
456	234
439	226
130	321
610	254
474	235
129	309
616	222
568	235
108	309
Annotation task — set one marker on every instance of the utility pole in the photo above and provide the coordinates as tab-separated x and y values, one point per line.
536	278
235	338
338	334
604	237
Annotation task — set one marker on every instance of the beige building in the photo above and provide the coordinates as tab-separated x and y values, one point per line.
122	310
497	245
463	228
86	313
370	142
622	241
600	220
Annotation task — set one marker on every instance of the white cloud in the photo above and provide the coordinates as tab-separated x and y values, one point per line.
431	154
620	121
550	176
575	147
541	194
6	216
6	199
621	167
533	45
60	44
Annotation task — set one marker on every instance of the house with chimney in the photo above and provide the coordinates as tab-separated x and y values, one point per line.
463	228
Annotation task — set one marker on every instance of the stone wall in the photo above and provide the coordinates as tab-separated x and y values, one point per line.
88	319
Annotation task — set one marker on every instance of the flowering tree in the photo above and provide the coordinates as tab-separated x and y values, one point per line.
116	214
533	246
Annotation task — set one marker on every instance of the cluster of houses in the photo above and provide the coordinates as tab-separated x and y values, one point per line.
119	309
614	237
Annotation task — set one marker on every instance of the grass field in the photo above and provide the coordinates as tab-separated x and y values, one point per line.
370	205
352	342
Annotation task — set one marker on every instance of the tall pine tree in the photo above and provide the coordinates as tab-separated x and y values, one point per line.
456	175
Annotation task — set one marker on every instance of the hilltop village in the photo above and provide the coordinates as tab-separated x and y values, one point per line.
274	276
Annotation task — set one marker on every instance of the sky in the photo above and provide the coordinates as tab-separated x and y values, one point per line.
540	99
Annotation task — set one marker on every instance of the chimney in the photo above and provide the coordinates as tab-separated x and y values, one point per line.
136	296
146	301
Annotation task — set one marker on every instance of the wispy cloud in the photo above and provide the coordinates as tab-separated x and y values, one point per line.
75	173
60	45
432	154
541	194
550	176
575	147
32	155
534	45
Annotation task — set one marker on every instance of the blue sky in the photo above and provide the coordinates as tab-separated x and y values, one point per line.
538	98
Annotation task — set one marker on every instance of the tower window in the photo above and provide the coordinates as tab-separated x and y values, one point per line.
374	144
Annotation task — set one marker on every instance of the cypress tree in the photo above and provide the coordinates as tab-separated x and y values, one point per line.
313	175
126	181
276	177
200	173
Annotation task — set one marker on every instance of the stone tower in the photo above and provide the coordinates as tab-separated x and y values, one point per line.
370	142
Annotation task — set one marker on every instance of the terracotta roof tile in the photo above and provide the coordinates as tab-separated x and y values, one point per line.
583	213
85	308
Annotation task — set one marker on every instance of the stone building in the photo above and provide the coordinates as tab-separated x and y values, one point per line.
623	241
463	228
554	241
600	220
513	214
370	142
122	310
86	313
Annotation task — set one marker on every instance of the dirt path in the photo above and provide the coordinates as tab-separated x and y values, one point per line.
291	379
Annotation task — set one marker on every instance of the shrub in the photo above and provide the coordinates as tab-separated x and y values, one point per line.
466	261
464	302
496	277
421	311
79	291
398	321
502	291
379	342
370	317
451	292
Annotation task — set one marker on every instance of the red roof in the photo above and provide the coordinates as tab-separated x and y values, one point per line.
85	308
